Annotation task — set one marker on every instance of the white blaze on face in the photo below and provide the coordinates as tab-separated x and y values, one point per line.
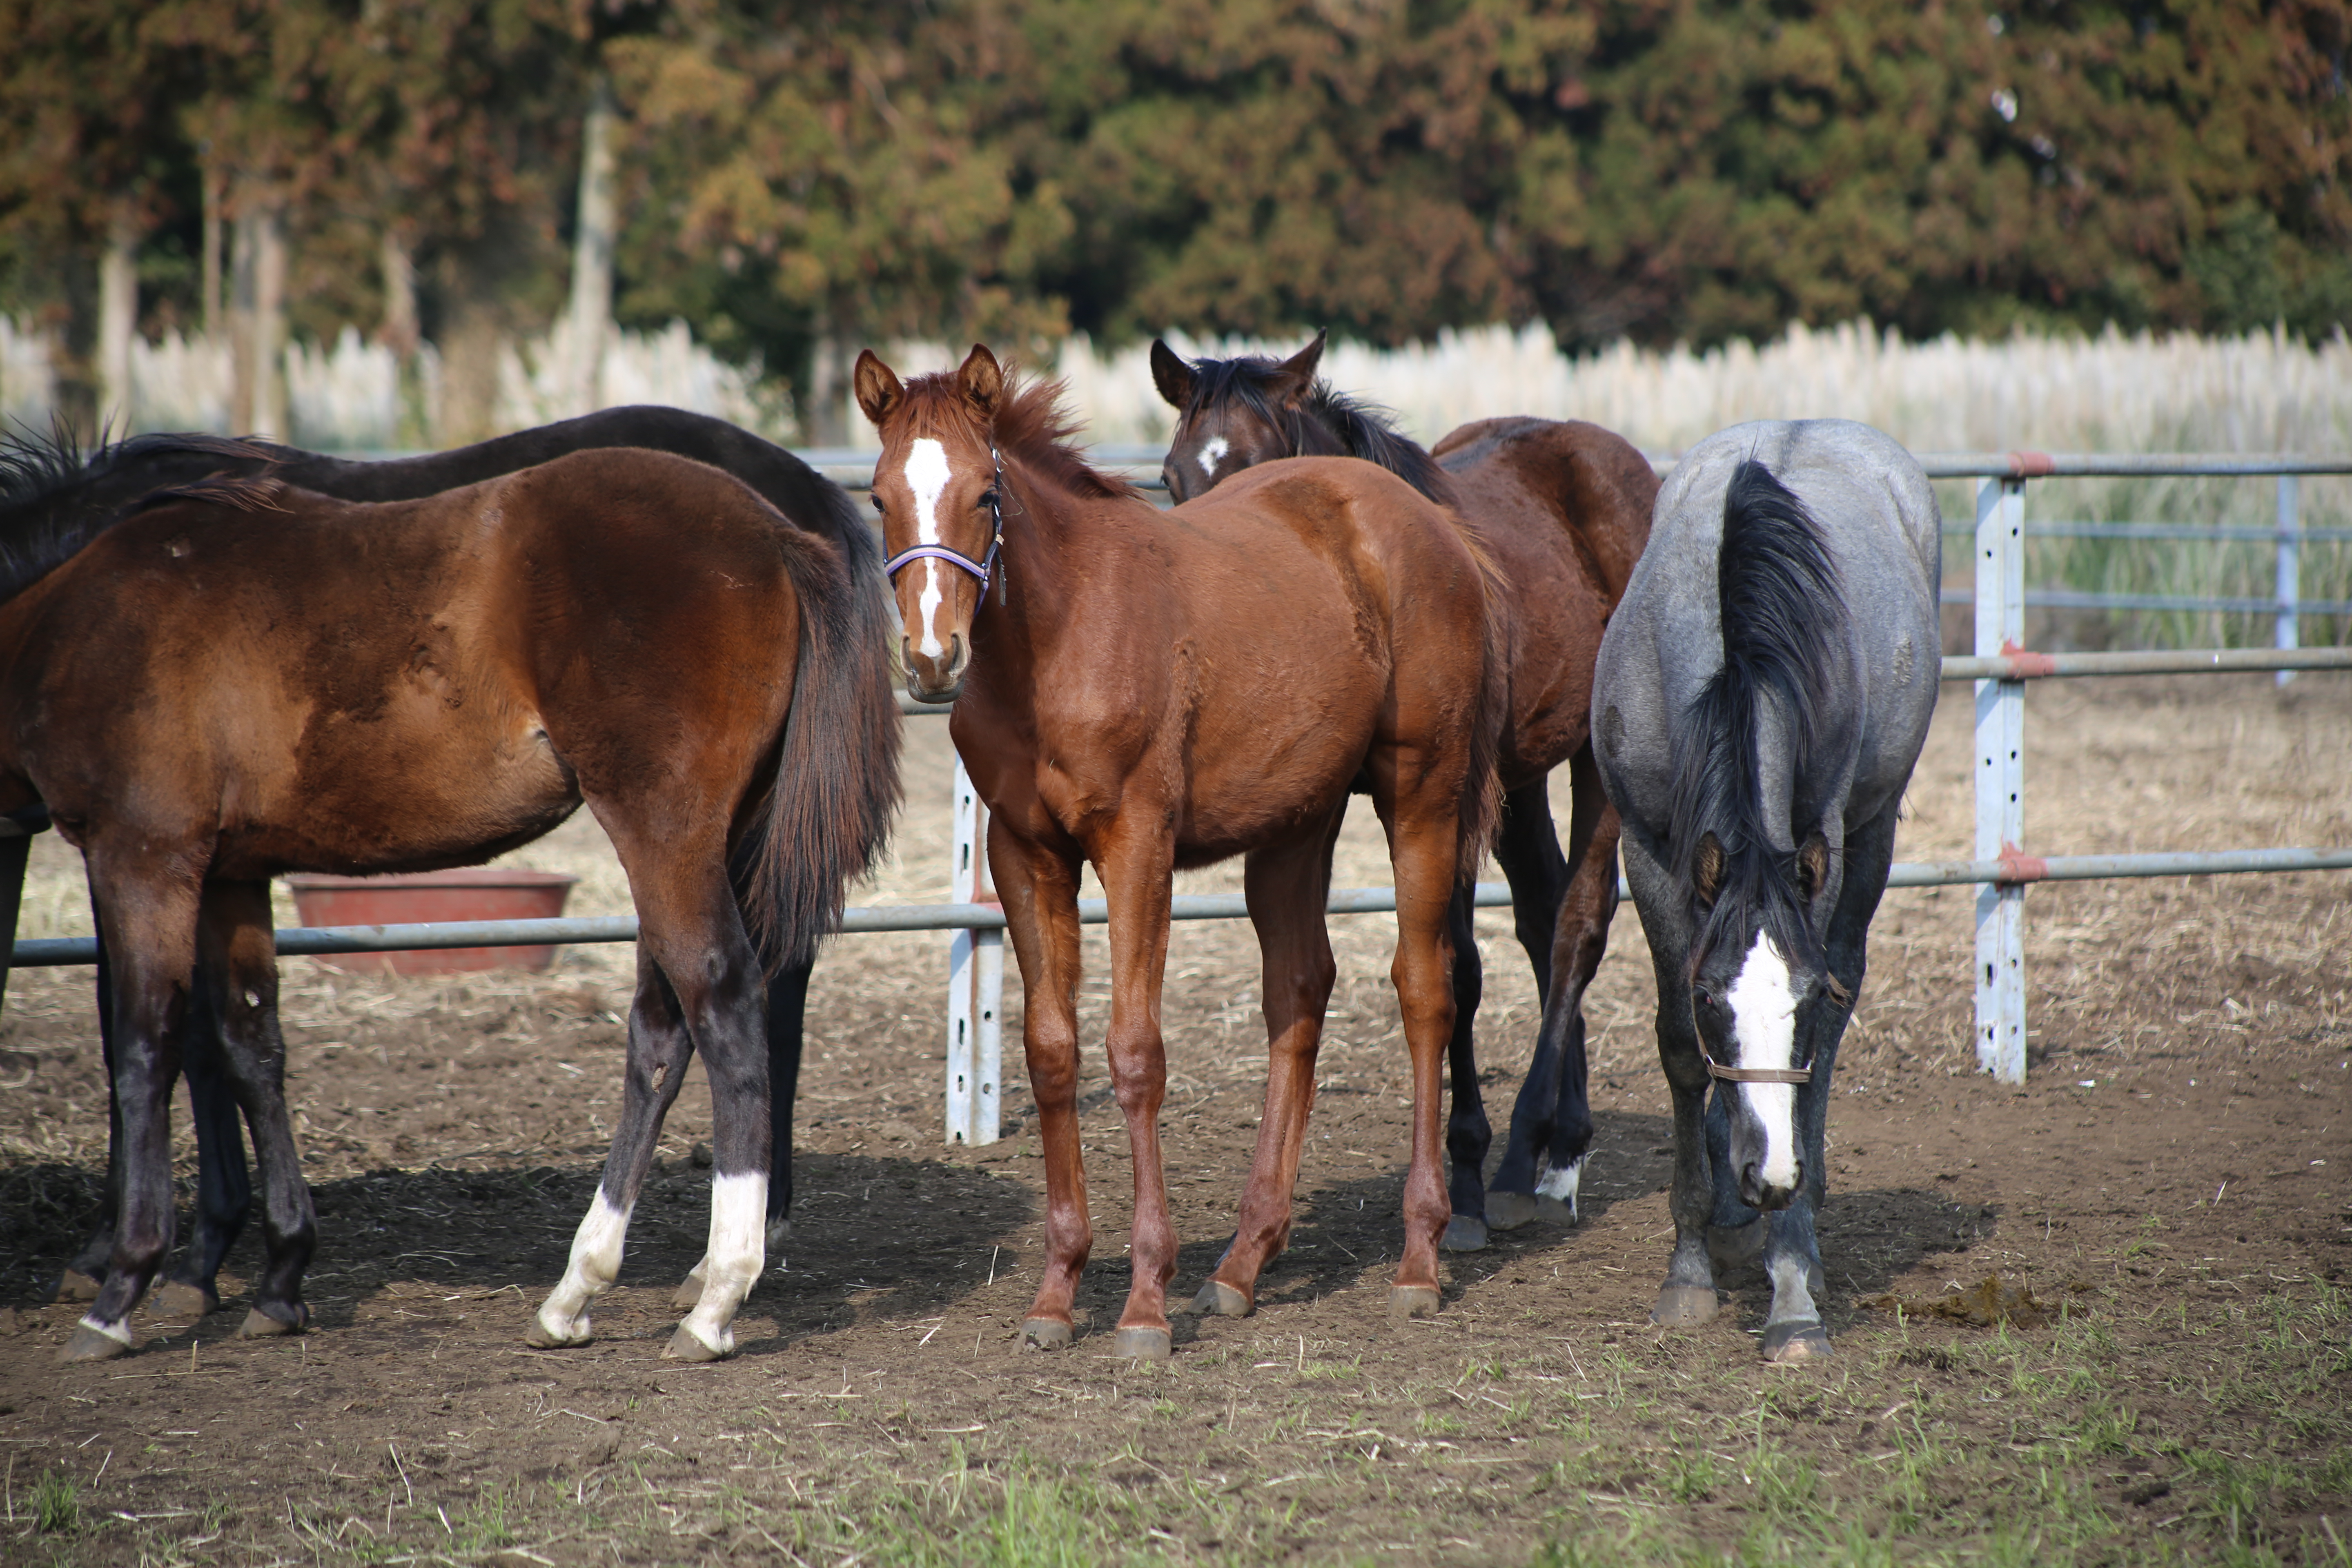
1764	1022
926	476
1213	454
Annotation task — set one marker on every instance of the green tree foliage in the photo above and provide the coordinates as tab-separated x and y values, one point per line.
822	172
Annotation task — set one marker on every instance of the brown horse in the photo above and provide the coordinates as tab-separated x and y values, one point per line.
1564	509
241	679
1146	692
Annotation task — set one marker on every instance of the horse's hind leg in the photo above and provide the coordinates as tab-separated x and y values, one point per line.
1287	888
85	1272
1551	1123
224	1180
150	926
237	965
1467	1133
787	1011
659	1047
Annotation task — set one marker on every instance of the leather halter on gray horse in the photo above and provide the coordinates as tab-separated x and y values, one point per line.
1760	700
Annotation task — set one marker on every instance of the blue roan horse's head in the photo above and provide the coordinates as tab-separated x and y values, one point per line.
1757	971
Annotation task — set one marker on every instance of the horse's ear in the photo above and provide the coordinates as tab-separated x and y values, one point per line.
1707	870
1293	376
1170	375
983	380
878	387
1813	866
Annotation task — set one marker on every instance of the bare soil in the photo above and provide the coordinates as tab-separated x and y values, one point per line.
2170	1188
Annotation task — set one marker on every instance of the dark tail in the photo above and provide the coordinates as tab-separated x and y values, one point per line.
1779	603
827	815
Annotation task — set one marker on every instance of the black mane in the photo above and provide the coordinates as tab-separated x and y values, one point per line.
54	497
1778	596
1328	423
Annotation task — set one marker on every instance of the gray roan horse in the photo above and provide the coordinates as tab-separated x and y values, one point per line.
1762	694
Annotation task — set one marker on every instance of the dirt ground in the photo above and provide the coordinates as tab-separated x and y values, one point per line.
2170	1189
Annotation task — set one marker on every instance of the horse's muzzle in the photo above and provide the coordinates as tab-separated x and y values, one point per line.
937	679
1757	1193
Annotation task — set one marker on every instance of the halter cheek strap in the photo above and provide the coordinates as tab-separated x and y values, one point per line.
985	567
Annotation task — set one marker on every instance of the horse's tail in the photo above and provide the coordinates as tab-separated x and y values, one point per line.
827	815
1778	603
1482	795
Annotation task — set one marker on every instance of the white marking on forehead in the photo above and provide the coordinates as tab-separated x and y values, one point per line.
1764	1022
1213	454
927	475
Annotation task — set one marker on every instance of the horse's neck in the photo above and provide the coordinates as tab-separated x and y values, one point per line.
1040	596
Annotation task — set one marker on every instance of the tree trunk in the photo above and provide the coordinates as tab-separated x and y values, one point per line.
825	410
118	319
399	332
212	261
592	258
257	317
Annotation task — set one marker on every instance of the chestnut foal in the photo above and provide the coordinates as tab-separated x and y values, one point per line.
1144	692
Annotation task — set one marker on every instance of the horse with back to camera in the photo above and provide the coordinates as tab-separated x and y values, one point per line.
237	678
1760	701
46	489
1144	690
1563	508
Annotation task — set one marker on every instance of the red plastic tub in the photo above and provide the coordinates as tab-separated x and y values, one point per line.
467	893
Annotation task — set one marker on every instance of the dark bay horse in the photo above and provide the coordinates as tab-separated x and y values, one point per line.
1146	691
1760	701
239	678
1564	509
48	489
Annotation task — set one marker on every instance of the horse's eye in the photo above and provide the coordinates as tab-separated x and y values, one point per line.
988	499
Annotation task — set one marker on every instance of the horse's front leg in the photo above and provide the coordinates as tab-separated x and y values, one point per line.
150	931
1137	873
1040	888
1469	1135
1687	1296
1287	887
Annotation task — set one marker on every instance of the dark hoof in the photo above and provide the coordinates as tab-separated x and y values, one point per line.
182	1302
75	1285
260	1325
1412	1301
688	1295
684	1346
1143	1344
780	1231
1796	1341
1508	1211
1464	1233
1219	1299
1735	1246
1045	1333
1680	1306
89	1344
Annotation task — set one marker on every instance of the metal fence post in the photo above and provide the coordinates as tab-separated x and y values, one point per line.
975	983
2290	565
2000	779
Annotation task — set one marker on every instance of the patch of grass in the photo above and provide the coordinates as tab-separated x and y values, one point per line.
56	1504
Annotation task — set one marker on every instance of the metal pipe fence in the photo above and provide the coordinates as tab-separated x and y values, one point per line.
2001	868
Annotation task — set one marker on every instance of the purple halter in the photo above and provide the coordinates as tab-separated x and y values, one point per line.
983	568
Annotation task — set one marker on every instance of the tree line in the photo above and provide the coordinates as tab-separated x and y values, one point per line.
797	179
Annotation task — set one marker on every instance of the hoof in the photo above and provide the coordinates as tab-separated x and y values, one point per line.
1143	1344
1412	1301
1682	1305
1555	1211
260	1325
1796	1341
685	1346
1464	1233
1045	1333
688	1295
90	1344
1219	1299
547	1339
780	1231
183	1302
1731	1246
75	1286
1508	1211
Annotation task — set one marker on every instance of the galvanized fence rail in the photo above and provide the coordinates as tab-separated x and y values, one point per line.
2001	869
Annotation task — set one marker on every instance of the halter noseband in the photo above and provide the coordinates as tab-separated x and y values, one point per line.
985	567
1753	1075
